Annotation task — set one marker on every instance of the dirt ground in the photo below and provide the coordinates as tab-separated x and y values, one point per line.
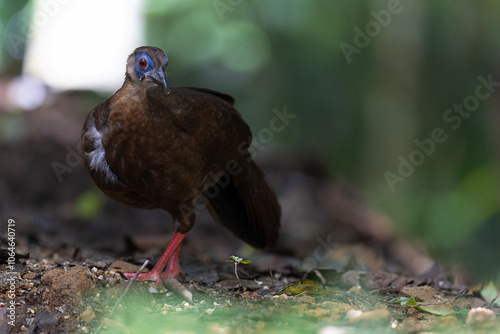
339	267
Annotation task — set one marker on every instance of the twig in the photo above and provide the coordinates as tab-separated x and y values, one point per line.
98	329
272	278
451	301
461	294
196	286
489	305
177	288
321	278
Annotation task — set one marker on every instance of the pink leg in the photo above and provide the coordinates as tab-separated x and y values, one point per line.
173	267
170	257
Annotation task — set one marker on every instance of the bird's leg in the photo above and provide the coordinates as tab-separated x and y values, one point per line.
172	253
173	267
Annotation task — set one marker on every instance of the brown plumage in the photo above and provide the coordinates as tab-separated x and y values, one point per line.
152	146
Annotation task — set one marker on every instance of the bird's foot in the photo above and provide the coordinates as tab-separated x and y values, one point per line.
173	273
169	259
173	267
153	275
156	275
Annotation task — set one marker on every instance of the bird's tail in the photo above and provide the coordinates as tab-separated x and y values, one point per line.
247	205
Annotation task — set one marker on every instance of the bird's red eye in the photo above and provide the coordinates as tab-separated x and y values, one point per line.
143	62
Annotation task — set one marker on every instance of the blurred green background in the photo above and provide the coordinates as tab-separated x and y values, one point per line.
361	100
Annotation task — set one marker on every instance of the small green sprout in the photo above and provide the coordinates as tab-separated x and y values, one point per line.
237	260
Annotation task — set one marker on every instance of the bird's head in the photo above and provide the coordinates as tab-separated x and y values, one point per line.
146	66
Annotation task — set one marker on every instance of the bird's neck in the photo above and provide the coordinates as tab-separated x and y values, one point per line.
129	99
131	92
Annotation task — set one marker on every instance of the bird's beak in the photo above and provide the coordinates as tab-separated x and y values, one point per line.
159	78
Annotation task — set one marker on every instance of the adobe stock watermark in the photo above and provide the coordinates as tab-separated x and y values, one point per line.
11	260
373	28
223	6
73	159
453	119
23	25
261	141
319	254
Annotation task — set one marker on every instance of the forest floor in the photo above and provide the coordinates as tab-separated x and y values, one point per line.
89	296
339	267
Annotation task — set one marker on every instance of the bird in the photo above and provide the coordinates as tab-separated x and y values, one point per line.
179	149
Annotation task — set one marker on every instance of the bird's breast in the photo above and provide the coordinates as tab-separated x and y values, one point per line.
153	157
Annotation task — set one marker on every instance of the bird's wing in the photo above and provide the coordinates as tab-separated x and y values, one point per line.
242	200
208	116
229	99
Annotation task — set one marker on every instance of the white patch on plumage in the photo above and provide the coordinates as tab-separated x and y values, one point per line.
97	158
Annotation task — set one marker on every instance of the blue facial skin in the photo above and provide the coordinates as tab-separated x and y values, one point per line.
150	72
142	71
